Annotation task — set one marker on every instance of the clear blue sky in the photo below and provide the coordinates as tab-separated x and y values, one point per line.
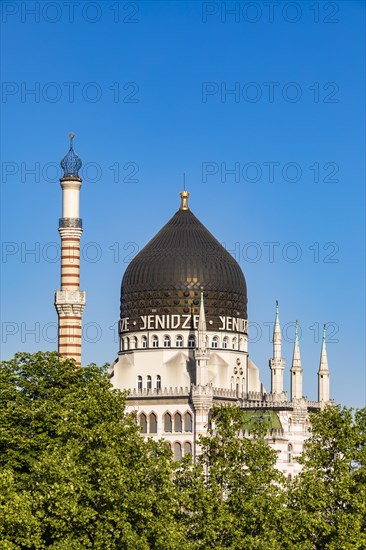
144	86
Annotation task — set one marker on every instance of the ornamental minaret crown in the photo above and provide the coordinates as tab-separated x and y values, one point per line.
70	301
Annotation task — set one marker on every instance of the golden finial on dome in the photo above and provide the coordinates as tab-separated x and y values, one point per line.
184	197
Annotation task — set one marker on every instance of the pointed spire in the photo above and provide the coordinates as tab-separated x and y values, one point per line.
71	163
277	337
296	359
202	328
277	363
323	373
296	370
323	366
184	200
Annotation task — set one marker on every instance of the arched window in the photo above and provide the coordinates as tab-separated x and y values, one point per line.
135	342
177	451
144	342
148	382
158	382
237	385
153	423
155	342
143	423
177	422
166	341
139	383
215	342
240	344
168	427
224	343
232	383
127	343
289	453
187	448
179	341
242	386
233	343
290	425
191	342
187	422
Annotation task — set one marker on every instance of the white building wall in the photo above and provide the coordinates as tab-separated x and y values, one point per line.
227	362
185	437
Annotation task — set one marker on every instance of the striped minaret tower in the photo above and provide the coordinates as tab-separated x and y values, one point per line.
70	301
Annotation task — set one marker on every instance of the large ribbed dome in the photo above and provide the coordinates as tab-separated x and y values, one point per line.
167	274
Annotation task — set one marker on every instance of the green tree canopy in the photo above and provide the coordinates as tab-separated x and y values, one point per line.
233	495
327	501
76	472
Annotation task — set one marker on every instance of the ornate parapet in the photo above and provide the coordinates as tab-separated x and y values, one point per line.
274	433
254	396
276	397
223	392
313	404
70	302
202	397
162	392
265	404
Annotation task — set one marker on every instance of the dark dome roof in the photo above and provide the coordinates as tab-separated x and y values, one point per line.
167	274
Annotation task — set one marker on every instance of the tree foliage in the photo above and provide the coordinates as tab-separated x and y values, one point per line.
328	498
232	495
74	464
75	473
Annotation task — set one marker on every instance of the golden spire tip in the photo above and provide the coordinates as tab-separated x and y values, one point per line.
184	200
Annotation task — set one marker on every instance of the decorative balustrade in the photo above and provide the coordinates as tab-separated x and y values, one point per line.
274	433
162	392
222	392
254	400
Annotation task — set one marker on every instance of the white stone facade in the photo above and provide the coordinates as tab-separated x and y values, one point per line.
160	371
175	366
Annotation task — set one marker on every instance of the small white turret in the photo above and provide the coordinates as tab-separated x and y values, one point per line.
323	372
277	363
296	369
201	353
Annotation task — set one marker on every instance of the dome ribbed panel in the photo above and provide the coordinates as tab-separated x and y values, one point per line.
183	257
